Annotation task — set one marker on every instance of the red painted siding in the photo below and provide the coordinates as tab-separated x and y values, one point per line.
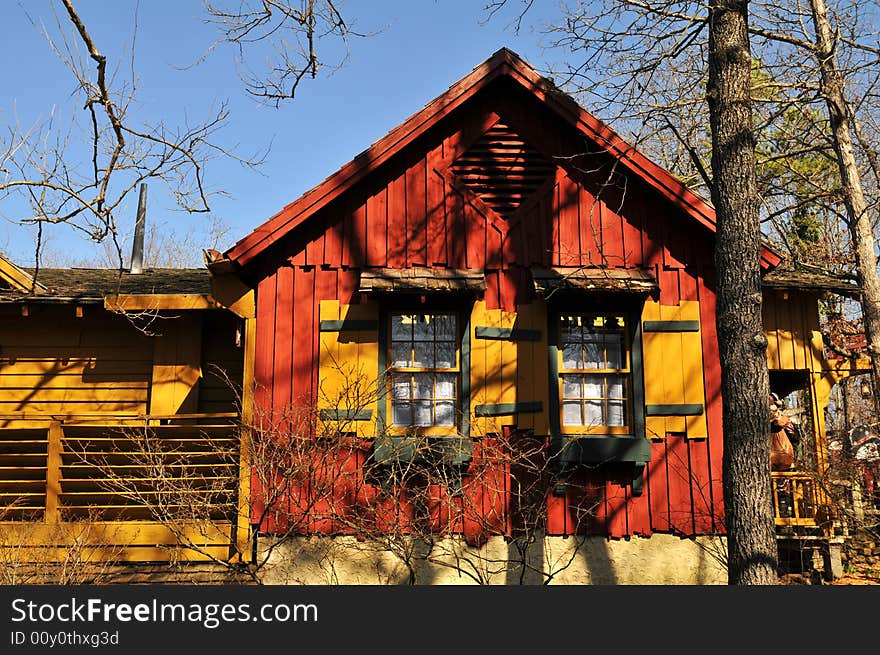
413	212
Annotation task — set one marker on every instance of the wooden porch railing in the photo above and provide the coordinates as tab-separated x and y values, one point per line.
798	500
96	471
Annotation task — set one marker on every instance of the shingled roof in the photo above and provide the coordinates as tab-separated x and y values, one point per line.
94	284
787	277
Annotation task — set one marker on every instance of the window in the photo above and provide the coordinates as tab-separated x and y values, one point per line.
424	371
594	374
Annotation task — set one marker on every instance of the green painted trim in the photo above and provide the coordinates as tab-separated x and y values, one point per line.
553	381
349	326
464	376
602	449
345	414
506	334
506	409
450	450
694	409
382	402
672	326
637	371
638	482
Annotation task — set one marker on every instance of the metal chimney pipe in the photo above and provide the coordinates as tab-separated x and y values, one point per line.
137	246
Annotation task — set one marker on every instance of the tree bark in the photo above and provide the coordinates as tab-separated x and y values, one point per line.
832	87
752	553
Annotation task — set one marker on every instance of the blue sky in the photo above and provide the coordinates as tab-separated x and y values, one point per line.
422	46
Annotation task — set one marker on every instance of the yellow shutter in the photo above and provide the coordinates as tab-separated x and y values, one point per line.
532	373
348	360
673	368
508	369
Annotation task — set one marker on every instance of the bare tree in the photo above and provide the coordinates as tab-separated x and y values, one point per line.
80	169
166	245
292	31
80	174
412	501
645	63
844	127
745	387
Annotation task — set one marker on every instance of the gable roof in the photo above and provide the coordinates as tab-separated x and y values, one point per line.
16	278
502	63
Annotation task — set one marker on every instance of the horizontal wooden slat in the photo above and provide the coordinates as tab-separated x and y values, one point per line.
349	326
20	486
24	459
506	409
8	473
47	410
130	541
85	367
22	374
54	394
502	169
156	302
118	353
671	326
7	497
506	334
18	447
174	487
674	410
105	470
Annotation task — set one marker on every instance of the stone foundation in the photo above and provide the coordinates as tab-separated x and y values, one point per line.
658	560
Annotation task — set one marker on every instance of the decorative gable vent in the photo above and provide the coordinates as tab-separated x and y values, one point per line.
502	169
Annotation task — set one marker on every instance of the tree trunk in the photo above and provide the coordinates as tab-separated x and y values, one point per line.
832	86
752	554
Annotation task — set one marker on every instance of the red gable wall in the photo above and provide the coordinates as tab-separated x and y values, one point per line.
411	211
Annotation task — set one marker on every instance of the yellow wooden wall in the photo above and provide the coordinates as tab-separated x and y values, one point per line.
794	342
532	367
55	363
493	372
791	325
68	371
348	368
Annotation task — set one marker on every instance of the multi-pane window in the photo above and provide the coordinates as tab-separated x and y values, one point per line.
594	372
424	370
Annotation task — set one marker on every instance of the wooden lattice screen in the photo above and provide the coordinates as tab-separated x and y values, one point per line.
133	483
502	169
23	465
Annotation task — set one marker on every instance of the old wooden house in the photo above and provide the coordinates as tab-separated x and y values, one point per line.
501	272
503	264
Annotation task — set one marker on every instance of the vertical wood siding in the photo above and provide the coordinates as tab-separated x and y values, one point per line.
415	212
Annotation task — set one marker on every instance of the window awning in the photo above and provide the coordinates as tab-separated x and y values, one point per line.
593	278
421	280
